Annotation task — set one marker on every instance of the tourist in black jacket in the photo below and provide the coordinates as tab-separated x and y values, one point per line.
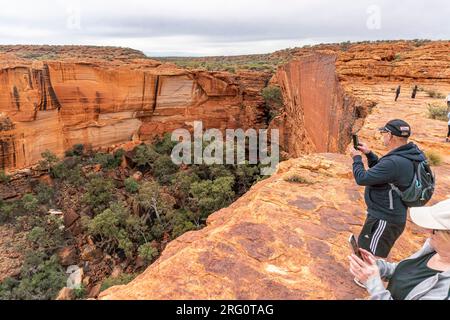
386	213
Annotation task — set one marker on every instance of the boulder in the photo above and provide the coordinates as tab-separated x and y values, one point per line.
75	279
68	256
65	294
95	291
91	253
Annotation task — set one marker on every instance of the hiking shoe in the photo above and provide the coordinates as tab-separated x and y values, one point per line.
359	283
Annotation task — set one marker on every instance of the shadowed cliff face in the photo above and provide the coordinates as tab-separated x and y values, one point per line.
319	116
54	105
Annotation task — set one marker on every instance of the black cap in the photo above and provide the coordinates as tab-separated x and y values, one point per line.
397	128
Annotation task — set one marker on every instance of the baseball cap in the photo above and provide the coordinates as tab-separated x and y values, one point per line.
398	128
436	217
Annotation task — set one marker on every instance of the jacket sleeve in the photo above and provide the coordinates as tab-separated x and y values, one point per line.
383	172
375	285
372	159
387	269
376	289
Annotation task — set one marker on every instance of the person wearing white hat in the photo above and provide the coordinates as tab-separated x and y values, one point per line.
423	276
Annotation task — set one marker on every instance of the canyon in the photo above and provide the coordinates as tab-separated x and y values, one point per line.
281	240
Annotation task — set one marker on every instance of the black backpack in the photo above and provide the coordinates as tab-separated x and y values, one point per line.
422	186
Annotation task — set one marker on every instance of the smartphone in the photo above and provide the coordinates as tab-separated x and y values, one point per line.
354	246
355	141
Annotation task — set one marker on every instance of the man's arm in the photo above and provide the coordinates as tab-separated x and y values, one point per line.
383	172
372	159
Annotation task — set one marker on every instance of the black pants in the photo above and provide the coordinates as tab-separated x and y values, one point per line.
448	134
379	236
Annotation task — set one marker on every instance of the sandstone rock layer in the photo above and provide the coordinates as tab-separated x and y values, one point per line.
56	104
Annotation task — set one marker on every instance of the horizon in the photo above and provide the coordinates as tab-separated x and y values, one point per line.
231	55
220	28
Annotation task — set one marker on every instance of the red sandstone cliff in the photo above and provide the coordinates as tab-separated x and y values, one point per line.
56	104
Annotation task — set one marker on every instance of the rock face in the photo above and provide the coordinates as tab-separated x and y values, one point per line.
56	104
285	240
319	115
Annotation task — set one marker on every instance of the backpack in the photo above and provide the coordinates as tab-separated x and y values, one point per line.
422	186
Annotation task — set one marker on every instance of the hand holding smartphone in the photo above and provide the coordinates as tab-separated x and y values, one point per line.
355	141
354	246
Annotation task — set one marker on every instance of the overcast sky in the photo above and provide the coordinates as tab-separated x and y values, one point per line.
218	27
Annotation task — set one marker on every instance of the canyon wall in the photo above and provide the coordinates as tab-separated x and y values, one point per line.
318	115
56	104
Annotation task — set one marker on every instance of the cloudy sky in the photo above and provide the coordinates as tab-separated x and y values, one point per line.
218	27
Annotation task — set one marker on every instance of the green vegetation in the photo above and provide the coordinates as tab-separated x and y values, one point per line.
115	228
434	158
125	218
232	64
434	94
41	276
76	151
109	161
295	178
4	178
437	111
131	185
273	101
80	293
99	193
120	280
49	159
147	252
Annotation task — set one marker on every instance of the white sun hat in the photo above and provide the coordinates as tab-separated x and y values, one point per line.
436	217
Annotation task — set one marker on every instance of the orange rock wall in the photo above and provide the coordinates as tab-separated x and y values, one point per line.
319	115
54	105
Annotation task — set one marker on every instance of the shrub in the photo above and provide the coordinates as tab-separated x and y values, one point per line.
117	229
163	168
109	161
131	185
30	203
210	196
147	252
44	193
295	178
434	94
80	293
156	204
437	111
182	223
434	158
49	159
7	211
273	101
40	279
145	155
164	145
77	150
4	178
99	193
124	278
47	234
